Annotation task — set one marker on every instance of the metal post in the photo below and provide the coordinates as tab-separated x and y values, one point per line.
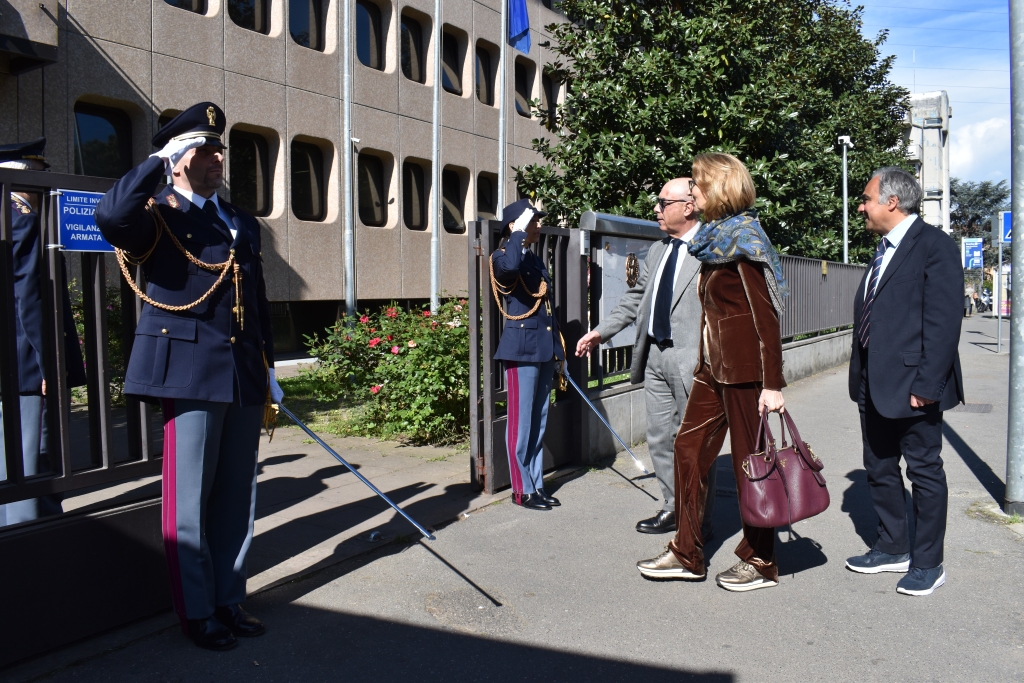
999	291
1014	502
348	229
502	70
844	140
435	166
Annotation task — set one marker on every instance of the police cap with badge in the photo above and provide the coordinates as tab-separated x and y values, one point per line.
515	210
203	120
24	151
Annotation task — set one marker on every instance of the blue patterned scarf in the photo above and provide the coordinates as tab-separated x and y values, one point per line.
741	236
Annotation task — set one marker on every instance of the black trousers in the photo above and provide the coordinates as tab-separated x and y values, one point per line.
919	440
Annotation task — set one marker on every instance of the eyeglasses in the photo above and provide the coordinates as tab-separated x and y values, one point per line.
662	202
692	183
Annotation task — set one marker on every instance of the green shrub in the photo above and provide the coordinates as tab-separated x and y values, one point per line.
409	369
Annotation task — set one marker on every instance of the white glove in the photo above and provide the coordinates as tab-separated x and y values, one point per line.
523	221
174	150
276	392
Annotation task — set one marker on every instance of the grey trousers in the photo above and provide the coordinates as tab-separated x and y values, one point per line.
35	460
209	501
665	395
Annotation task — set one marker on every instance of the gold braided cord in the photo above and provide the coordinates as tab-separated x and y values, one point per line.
123	259
496	287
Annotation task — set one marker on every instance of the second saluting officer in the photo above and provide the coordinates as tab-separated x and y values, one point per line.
203	347
530	347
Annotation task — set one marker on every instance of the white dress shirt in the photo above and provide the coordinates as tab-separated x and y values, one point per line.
656	282
894	238
200	202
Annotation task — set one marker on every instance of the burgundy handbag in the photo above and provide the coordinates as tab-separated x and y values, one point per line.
781	486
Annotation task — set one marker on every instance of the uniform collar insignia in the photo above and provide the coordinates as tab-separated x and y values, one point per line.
20	204
172	200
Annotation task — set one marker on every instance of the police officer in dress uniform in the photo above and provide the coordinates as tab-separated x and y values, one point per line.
204	350
530	346
29	312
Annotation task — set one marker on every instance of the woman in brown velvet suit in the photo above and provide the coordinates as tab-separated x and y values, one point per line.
739	369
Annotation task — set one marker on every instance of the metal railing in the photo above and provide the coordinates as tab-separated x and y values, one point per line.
114	450
821	295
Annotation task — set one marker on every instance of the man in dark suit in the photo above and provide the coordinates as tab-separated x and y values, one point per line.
203	347
30	310
904	371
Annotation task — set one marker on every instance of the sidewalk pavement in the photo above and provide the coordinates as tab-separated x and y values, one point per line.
511	594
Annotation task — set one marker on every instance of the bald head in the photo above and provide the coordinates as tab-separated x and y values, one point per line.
676	211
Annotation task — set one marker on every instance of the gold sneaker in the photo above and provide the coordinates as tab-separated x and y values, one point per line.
666	566
743	577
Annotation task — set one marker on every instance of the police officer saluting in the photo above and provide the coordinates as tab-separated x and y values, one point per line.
530	346
203	347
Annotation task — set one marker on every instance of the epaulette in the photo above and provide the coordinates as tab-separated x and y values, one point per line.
20	204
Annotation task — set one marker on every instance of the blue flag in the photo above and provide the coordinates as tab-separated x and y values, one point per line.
519	26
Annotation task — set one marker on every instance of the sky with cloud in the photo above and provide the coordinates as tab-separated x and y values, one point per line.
964	49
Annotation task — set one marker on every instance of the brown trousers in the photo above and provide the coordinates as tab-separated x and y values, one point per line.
712	409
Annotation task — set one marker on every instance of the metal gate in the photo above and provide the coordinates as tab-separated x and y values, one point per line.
102	566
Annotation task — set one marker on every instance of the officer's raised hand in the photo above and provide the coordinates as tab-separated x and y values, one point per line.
174	150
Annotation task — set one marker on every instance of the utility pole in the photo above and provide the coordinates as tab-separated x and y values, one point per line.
844	140
1014	502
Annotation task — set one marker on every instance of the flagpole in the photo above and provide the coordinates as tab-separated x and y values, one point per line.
502	72
435	167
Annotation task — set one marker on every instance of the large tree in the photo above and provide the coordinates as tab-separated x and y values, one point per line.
651	83
973	205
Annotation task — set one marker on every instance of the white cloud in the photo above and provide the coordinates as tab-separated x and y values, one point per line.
980	150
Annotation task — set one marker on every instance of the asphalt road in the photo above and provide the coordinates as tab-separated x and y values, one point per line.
514	595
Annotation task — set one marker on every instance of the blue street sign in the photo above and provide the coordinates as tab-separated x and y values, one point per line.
76	224
972	251
1006	225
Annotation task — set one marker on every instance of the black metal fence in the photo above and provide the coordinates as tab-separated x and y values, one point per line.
821	295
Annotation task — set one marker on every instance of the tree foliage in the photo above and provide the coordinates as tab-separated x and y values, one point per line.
972	207
651	83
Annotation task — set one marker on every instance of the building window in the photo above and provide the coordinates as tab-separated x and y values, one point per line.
524	87
484	75
373	193
451	65
549	99
249	160
486	197
414	196
412	50
451	200
103	141
308	196
306	22
250	14
369	39
197	6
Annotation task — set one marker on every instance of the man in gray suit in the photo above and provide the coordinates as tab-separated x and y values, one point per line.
667	315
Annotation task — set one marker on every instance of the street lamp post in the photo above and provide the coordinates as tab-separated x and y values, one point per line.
844	140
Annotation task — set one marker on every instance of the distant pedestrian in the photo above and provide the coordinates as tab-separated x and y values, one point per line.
904	371
664	305
739	370
530	347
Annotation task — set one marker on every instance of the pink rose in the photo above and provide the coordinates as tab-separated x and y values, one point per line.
412	344
426	314
364	319
375	388
394	350
374	342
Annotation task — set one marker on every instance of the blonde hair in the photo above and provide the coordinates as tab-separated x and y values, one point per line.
725	182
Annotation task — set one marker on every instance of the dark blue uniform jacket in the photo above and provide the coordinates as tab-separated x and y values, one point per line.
202	353
28	296
915	327
535	339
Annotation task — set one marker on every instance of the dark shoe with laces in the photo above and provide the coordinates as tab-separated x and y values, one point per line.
210	634
921	581
550	500
876	562
532	501
239	621
661	523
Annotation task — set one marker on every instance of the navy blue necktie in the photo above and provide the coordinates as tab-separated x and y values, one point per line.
211	210
864	330
663	300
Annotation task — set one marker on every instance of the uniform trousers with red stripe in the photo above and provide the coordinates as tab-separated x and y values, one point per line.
529	391
209	501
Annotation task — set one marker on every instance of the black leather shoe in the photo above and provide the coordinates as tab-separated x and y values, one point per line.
239	621
210	634
550	500
661	523
532	501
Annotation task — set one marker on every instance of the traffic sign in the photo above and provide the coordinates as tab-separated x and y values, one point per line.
972	253
1006	225
76	223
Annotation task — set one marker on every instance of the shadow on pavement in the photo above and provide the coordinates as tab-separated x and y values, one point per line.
981	470
857	504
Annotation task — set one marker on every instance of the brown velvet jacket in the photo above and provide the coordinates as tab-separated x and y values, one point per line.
742	328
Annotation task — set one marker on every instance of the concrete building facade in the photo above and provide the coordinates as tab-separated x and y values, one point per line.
71	69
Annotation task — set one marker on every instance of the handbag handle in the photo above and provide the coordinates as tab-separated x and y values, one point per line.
765	443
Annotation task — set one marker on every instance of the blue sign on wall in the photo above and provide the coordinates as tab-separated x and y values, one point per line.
76	223
1006	225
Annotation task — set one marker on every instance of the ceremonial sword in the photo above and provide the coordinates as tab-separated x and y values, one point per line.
356	472
565	372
